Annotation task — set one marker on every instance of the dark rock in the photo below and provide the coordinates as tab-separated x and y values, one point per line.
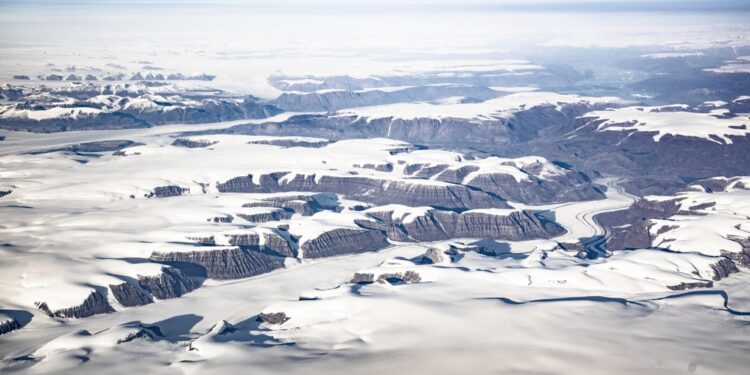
362	278
171	283
95	303
344	241
130	295
273	318
369	190
723	268
273	214
741	258
9	325
408	277
221	264
439	225
692	285
167	191
189	143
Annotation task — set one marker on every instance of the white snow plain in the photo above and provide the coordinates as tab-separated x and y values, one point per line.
671	122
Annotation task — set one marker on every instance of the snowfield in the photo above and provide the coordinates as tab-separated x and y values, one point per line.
670	122
488	110
360	187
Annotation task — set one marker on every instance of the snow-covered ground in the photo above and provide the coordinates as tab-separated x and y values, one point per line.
76	223
487	110
670	122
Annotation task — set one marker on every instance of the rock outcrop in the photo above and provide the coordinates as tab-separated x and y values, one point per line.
273	318
171	283
436	225
691	285
629	228
367	189
741	258
130	295
95	303
432	256
344	241
221	264
723	268
408	277
167	191
189	143
9	325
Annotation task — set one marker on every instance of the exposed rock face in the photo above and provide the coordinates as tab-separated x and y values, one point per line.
278	245
129	107
273	318
189	143
344	241
369	190
262	217
98	146
230	263
203	241
693	285
432	256
273	243
5	192
245	239
334	100
630	227
149	332
742	258
569	187
95	303
9	325
438	225
408	277
171	283
517	226
723	268
304	205
363	278
102	121
387	167
168	191
130	295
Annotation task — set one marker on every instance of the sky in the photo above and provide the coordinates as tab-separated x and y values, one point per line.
260	37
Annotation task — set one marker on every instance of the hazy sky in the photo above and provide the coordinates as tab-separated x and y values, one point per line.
259	37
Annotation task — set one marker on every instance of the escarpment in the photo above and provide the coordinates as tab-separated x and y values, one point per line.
221	264
344	241
8	326
368	189
630	227
130	295
170	283
95	303
436	225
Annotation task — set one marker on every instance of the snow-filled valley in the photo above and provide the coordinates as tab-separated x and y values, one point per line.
420	187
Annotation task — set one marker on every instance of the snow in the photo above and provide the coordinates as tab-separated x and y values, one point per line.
402	213
50	113
707	232
672	55
514	88
302	81
740	65
689	124
489	110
